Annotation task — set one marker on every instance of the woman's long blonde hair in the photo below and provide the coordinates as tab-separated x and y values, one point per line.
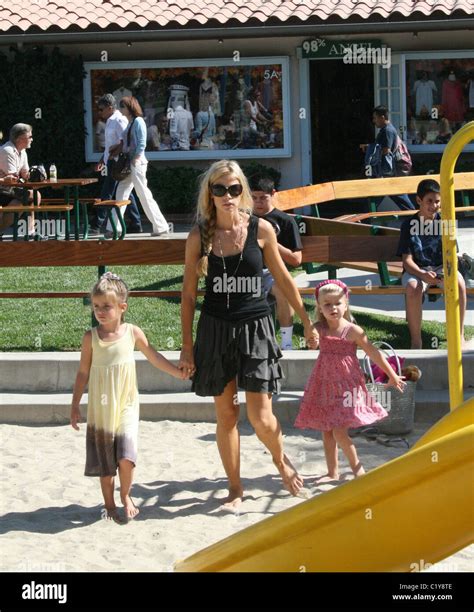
332	289
206	210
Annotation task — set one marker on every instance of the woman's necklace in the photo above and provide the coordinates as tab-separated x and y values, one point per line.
237	244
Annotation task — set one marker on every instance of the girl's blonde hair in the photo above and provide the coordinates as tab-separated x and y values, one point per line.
111	283
206	210
332	289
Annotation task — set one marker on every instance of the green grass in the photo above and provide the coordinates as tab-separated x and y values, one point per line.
59	324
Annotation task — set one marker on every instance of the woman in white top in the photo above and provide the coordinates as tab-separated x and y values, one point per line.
130	107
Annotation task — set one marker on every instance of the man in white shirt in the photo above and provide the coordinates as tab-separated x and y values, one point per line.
14	166
115	125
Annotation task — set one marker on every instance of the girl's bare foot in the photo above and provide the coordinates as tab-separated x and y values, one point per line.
326	479
234	499
359	470
292	481
131	510
113	515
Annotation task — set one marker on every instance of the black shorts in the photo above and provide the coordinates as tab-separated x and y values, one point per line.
225	350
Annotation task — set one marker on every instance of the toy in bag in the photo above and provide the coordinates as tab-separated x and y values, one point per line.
400	406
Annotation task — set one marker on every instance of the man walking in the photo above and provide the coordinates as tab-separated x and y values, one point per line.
115	125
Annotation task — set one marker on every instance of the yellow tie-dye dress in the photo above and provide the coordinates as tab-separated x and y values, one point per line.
113	407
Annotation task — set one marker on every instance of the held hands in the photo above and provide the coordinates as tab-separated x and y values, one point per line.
186	363
75	417
311	335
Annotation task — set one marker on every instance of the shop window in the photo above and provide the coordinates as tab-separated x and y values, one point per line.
201	109
439	98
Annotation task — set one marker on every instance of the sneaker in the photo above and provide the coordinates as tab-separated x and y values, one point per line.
95	231
134	229
165	232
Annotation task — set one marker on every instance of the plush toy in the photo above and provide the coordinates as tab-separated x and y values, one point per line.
411	373
379	374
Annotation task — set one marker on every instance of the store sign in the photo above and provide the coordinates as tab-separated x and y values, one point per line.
336	49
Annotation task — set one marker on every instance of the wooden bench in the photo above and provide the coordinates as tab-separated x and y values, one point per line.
97	202
357	217
114	205
18	210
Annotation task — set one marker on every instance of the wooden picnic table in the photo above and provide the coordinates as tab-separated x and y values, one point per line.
67	184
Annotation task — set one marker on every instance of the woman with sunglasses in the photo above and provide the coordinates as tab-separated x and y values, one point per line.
235	341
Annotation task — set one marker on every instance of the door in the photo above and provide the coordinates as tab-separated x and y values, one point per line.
342	99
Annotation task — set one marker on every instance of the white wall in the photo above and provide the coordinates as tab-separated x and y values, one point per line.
290	167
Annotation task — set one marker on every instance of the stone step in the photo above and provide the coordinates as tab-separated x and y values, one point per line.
56	372
47	409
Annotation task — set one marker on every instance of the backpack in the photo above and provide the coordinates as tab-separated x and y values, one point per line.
37	174
403	163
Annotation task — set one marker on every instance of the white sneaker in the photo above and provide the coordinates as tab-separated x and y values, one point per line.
165	232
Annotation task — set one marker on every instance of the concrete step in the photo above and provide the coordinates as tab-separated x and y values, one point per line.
56	372
54	408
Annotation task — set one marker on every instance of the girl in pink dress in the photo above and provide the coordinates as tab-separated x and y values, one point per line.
335	396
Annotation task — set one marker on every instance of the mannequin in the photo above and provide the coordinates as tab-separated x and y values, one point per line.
181	125
453	99
423	91
209	94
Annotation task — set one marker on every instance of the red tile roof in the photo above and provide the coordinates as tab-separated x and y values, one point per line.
21	16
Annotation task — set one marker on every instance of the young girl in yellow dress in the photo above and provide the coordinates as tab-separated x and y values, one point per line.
108	365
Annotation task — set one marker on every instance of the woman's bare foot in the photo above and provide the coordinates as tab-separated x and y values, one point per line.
131	510
113	515
233	501
292	481
326	479
359	470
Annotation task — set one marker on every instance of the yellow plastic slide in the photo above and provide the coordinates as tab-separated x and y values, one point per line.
414	510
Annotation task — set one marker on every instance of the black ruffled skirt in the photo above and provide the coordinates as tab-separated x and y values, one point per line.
226	349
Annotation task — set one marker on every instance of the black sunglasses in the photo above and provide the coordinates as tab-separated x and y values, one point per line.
220	190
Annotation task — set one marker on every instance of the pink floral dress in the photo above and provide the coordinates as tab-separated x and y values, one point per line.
335	394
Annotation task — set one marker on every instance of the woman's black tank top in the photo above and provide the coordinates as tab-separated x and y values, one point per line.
237	293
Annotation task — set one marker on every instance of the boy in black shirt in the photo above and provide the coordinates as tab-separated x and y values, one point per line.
420	247
289	246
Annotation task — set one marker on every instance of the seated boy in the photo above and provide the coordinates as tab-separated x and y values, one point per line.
420	247
289	246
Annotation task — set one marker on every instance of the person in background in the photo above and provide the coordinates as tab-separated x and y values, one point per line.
387	140
137	178
14	166
115	124
421	249
289	247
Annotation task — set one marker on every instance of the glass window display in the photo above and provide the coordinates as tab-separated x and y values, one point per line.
198	111
440	98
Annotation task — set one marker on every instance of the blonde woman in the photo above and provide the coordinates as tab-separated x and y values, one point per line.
235	341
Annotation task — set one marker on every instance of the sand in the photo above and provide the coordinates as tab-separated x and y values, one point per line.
51	514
